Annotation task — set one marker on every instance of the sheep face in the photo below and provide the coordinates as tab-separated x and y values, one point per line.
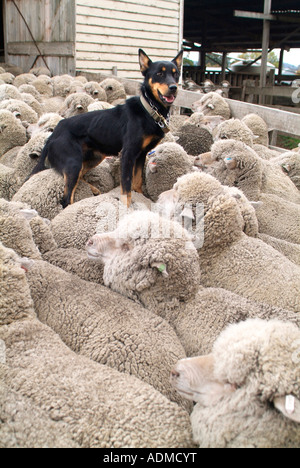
168	159
235	129
144	259
200	199
235	164
251	380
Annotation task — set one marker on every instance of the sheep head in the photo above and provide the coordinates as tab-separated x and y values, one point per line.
148	259
250	381
237	165
199	201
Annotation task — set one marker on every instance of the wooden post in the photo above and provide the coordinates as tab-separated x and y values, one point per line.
281	62
224	57
265	48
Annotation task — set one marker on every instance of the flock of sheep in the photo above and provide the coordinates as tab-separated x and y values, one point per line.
114	320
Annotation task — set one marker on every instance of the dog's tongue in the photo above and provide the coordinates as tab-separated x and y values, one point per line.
169	99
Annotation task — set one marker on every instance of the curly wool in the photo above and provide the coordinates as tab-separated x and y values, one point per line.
54	382
21	110
258	127
78	222
12	132
109	329
44	192
15	230
15	300
9	92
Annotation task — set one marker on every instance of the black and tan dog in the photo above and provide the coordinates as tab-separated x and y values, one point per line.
82	142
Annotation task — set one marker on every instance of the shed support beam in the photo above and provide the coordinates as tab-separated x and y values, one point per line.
265	48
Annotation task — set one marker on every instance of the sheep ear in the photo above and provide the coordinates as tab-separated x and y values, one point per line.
161	267
26	263
145	61
256	204
286	168
289	406
152	167
194	379
29	214
187	213
230	163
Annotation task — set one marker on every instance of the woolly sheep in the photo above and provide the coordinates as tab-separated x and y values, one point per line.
278	218
8	159
229	259
176	122
75	104
6	181
30	100
9	92
105	327
95	90
75	261
25	231
43	84
46	123
234	129
7	78
23	164
21	110
208	121
12	132
16	232
212	104
24	79
100	178
258	127
29	89
39	367
38	71
62	85
195	140
78	222
44	192
152	261
114	89
247	385
290	164
166	163
236	164
99	105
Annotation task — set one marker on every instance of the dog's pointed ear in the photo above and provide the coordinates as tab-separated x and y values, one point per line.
145	61
178	60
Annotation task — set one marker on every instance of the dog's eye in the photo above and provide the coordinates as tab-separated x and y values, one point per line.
161	73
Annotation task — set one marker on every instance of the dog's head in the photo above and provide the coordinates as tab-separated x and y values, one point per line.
162	77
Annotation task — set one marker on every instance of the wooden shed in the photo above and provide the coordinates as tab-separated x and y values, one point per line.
90	35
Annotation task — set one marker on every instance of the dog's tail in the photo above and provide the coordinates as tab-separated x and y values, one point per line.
41	164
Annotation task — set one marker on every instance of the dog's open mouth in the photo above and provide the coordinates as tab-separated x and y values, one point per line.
167	99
